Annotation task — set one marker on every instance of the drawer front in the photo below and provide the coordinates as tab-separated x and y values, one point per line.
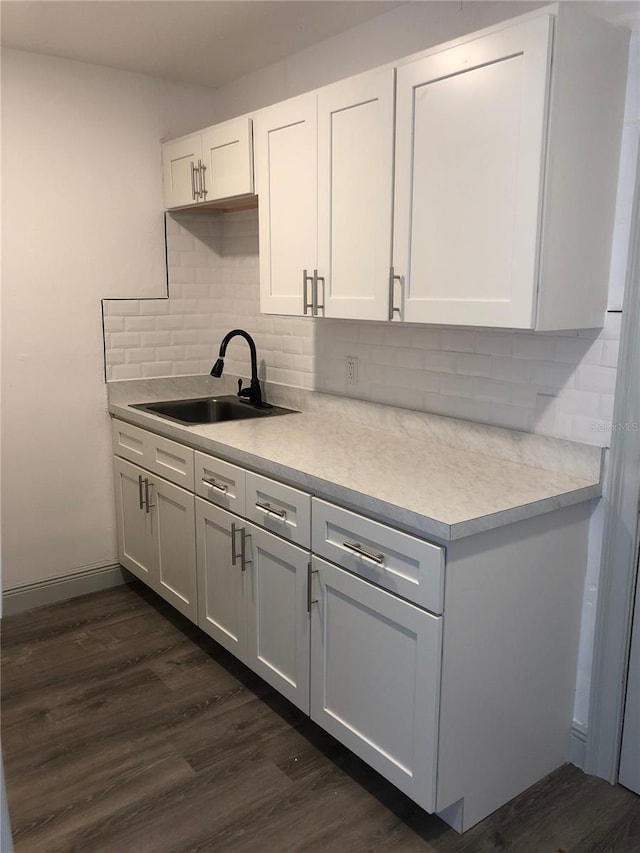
129	442
279	508
170	460
167	458
396	561
220	483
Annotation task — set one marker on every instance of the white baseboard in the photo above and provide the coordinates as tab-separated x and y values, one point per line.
578	744
50	591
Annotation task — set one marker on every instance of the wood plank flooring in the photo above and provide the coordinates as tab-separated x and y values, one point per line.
124	728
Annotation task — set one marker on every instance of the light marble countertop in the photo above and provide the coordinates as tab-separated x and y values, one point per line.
412	472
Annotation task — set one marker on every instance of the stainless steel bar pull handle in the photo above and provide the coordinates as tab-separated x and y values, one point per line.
219	487
140	491
265	506
234	555
317	306
243	550
306	305
392	279
203	186
148	505
310	599
193	181
361	551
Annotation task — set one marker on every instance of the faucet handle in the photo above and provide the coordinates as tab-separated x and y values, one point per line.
239	387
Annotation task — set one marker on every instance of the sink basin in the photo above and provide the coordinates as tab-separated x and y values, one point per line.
210	410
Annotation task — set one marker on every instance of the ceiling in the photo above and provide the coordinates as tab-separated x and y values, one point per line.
207	42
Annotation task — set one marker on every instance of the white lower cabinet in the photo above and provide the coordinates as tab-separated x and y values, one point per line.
221	578
156	534
252	589
375	677
460	694
277	614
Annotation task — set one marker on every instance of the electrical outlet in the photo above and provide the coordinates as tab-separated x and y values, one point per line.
351	370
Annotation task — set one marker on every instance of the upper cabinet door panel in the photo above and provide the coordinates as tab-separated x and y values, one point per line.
286	183
178	161
470	145
355	191
227	152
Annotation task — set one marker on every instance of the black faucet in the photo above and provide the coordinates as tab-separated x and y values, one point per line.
253	393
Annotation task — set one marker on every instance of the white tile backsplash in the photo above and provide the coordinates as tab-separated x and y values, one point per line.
559	385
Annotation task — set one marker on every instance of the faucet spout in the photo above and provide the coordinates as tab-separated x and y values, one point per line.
253	393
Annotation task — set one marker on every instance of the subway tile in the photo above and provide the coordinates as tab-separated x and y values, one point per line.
426	337
154	306
115	356
121	307
591	431
511	369
610	351
113	324
459	340
155	339
126	371
593	377
491	389
140	355
185	368
551	374
495	343
576	402
124	339
472	364
440	361
140	323
530	346
170	322
157	368
577	350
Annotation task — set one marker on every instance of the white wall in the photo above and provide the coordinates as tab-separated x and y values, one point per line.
407	29
82	219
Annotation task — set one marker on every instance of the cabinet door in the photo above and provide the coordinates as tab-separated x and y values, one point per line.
286	182
172	514
375	678
277	615
469	162
137	545
355	195
221	584
227	152
178	159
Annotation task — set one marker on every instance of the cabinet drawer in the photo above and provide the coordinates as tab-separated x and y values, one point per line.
219	482
129	441
403	564
167	458
279	508
171	460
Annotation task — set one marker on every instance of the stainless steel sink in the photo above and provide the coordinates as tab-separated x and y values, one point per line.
210	410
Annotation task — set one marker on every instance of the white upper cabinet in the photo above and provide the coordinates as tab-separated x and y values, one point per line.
506	155
324	165
180	159
205	167
470	145
355	192
286	183
227	153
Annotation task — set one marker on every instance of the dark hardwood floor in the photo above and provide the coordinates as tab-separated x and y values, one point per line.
124	728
